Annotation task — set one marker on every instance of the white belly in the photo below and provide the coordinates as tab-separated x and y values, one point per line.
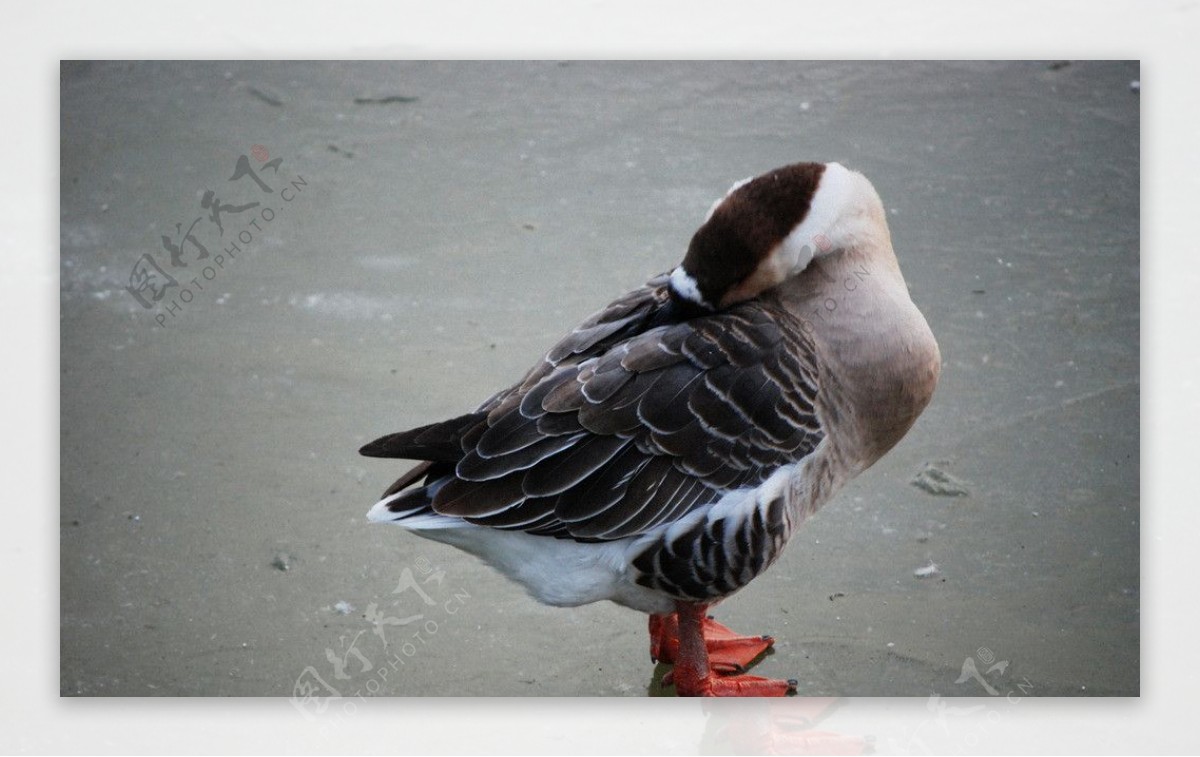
558	572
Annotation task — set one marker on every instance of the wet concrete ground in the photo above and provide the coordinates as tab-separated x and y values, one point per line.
446	223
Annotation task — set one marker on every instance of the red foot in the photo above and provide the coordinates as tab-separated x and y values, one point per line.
702	650
714	685
728	652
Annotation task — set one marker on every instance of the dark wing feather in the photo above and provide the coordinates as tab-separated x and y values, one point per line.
573	466
631	421
437	441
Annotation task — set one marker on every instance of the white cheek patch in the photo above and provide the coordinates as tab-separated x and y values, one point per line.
686	287
816	234
794	255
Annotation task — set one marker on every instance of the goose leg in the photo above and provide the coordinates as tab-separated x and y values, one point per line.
692	675
728	652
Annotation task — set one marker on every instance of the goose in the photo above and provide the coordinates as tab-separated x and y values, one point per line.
662	454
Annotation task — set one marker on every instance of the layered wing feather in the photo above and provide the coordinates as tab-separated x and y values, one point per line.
633	420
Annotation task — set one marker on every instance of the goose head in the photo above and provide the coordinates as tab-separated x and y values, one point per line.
769	228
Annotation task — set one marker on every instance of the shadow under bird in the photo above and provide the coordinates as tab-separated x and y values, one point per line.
662	454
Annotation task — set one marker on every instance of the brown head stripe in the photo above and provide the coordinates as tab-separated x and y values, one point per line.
747	225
